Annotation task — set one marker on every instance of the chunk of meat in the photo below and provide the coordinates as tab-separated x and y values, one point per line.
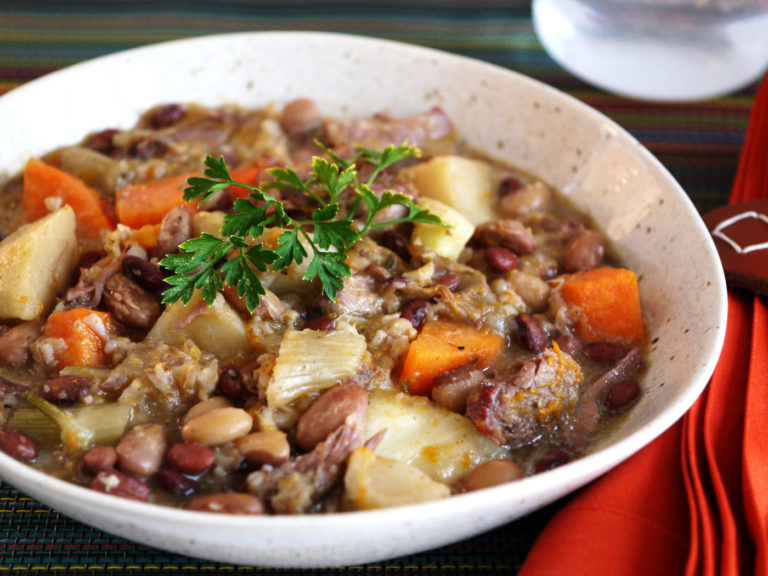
298	484
89	289
381	130
530	400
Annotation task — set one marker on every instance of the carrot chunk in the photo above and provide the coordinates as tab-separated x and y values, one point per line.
605	303
45	185
85	333
442	346
137	205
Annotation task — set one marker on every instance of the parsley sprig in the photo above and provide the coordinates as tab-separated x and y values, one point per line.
209	262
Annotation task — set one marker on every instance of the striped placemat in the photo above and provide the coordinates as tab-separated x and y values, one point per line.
699	143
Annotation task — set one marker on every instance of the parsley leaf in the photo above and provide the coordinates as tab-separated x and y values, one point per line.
208	263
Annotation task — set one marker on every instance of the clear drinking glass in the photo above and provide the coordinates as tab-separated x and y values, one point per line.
656	49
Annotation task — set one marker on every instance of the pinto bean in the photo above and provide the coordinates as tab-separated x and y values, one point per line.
493	473
583	251
18	445
190	458
569	343
532	289
416	312
175	228
218	426
129	303
98	458
525	200
145	273
329	412
67	389
122	485
378	273
266	447
141	450
227	503
531	333
206	406
14	343
509	234
301	115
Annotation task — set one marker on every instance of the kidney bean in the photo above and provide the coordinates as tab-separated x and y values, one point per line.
129	303
509	185
122	485
501	259
67	389
141	450
449	279
329	412
493	473
569	343
301	115
266	447
231	383
101	141
18	445
218	426
190	458
176	483
550	460
97	459
416	312
145	273
206	406
175	228
15	343
604	352
166	115
622	394
531	333
583	251
227	503
321	323
398	243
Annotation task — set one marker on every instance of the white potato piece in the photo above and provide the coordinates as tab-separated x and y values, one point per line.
36	263
442	444
447	242
462	183
207	222
217	329
373	481
311	361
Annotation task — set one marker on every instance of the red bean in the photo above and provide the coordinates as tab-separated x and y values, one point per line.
398	243
190	458
67	389
176	483
122	485
531	333
509	185
604	352
501	259
101	141
321	323
231	383
449	279
18	445
97	459
143	272
622	394
165	116
416	312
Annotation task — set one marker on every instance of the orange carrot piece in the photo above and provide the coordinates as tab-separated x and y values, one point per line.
43	181
146	236
137	205
442	346
83	331
248	174
606	305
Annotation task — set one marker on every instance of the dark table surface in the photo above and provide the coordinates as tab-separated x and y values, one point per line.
698	142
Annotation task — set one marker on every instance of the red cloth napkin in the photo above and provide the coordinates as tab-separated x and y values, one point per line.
694	501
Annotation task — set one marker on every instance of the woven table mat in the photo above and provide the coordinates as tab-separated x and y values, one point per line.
698	142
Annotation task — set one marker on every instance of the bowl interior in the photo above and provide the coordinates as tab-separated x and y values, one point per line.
603	170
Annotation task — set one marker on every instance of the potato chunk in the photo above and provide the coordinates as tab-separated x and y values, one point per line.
461	183
447	242
36	263
217	329
373	481
443	444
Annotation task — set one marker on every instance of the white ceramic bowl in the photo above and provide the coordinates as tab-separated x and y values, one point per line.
598	165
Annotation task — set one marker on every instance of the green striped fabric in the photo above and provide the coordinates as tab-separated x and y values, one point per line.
699	143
